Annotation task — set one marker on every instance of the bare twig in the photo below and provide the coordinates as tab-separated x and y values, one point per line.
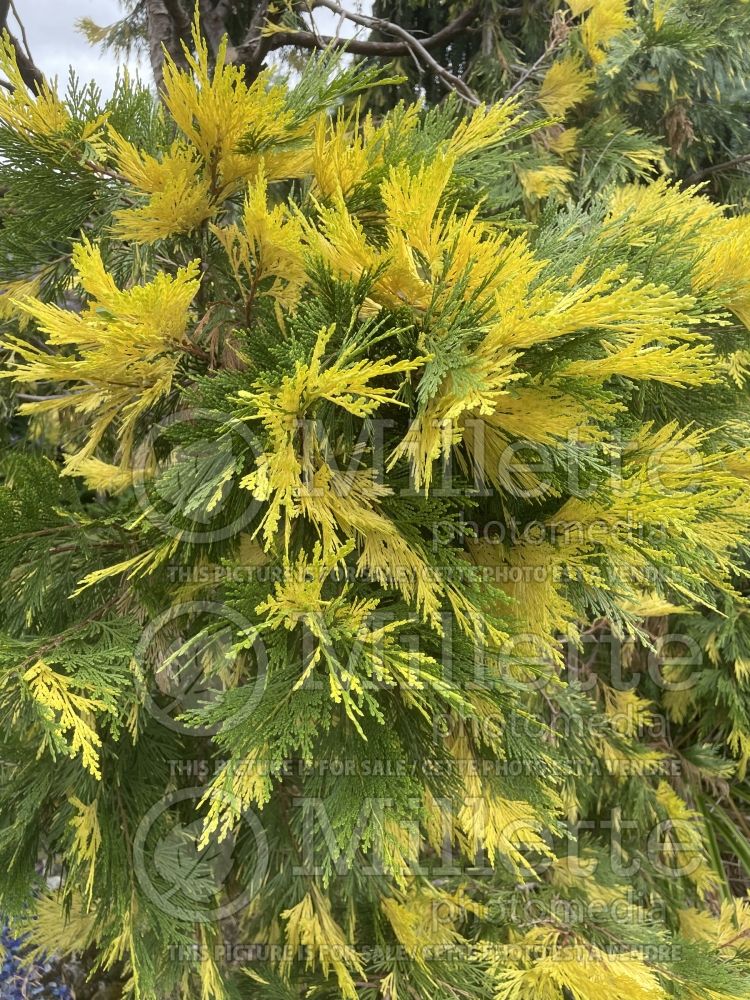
30	75
420	49
255	44
22	29
717	168
558	34
99	168
414	44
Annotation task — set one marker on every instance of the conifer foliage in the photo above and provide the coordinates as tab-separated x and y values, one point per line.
373	618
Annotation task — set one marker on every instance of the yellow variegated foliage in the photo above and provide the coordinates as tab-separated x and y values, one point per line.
87	839
715	246
127	346
217	112
213	986
134	566
728	931
650	605
342	154
571	79
566	83
660	11
680	700
267	244
417	926
562	141
646	334
483	129
358	626
236	788
349	151
60	925
298	482
723	263
532	574
577	872
11	293
310	925
654	491
232	133
481	819
41	114
642	211
99	475
627	712
682	839
180	197
541	182
339	626
605	20
579	7
642	358
483	310
543	965
71	716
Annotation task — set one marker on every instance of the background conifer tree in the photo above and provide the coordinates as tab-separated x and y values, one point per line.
374	512
636	87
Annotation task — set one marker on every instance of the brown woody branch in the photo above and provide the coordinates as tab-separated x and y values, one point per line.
558	34
717	168
213	22
408	45
22	29
369	47
255	45
416	47
30	74
167	29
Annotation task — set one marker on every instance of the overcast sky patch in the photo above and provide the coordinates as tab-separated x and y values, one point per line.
56	44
